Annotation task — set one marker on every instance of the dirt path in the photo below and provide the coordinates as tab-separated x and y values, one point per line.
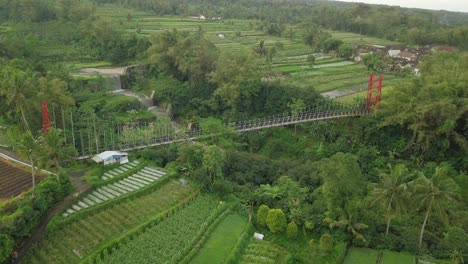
39	233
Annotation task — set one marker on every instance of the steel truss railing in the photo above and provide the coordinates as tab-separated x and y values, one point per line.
149	137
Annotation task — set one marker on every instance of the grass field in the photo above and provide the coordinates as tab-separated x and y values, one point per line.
369	256
354	38
390	257
361	256
221	241
80	238
350	98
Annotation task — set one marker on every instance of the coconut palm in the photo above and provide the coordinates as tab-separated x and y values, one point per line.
392	192
55	150
17	88
349	222
432	194
29	147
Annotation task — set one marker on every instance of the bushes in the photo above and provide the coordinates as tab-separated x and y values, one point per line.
276	220
24	218
262	214
292	230
326	244
6	247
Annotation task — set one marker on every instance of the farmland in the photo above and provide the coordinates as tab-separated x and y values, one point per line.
14	180
82	236
327	74
221	241
369	256
169	239
261	251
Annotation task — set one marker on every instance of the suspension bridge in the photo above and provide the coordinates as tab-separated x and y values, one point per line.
91	135
125	137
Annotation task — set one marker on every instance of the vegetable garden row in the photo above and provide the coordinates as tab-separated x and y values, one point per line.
72	239
170	239
13	180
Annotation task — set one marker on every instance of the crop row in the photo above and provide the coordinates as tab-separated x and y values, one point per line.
167	240
81	237
13	181
260	252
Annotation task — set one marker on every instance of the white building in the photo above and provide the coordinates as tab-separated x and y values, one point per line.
111	157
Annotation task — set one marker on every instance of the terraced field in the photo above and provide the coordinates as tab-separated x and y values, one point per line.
167	241
260	252
111	191
221	242
13	180
328	73
79	238
116	172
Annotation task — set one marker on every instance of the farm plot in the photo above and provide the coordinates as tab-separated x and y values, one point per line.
370	256
327	74
111	191
361	255
82	236
116	172
260	251
221	241
391	257
14	180
165	242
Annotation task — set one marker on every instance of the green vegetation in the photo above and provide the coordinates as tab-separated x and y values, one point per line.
174	234
221	241
390	181
261	251
361	255
368	256
84	235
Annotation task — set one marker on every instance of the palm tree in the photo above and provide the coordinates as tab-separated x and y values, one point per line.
392	192
349	222
28	147
432	194
55	150
17	89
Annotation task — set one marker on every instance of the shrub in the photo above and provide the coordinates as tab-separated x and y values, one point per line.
6	246
276	220
308	227
292	231
326	244
262	214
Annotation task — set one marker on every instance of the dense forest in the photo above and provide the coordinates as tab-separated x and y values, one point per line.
391	180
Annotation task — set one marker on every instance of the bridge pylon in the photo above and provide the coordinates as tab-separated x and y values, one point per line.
45	118
374	91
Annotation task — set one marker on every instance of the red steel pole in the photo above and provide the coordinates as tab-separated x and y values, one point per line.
45	118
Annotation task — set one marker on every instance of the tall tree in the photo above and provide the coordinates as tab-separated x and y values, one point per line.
213	163
29	148
433	194
55	151
433	107
18	89
342	181
349	221
392	192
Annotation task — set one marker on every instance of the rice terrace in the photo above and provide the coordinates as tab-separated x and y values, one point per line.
236	132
